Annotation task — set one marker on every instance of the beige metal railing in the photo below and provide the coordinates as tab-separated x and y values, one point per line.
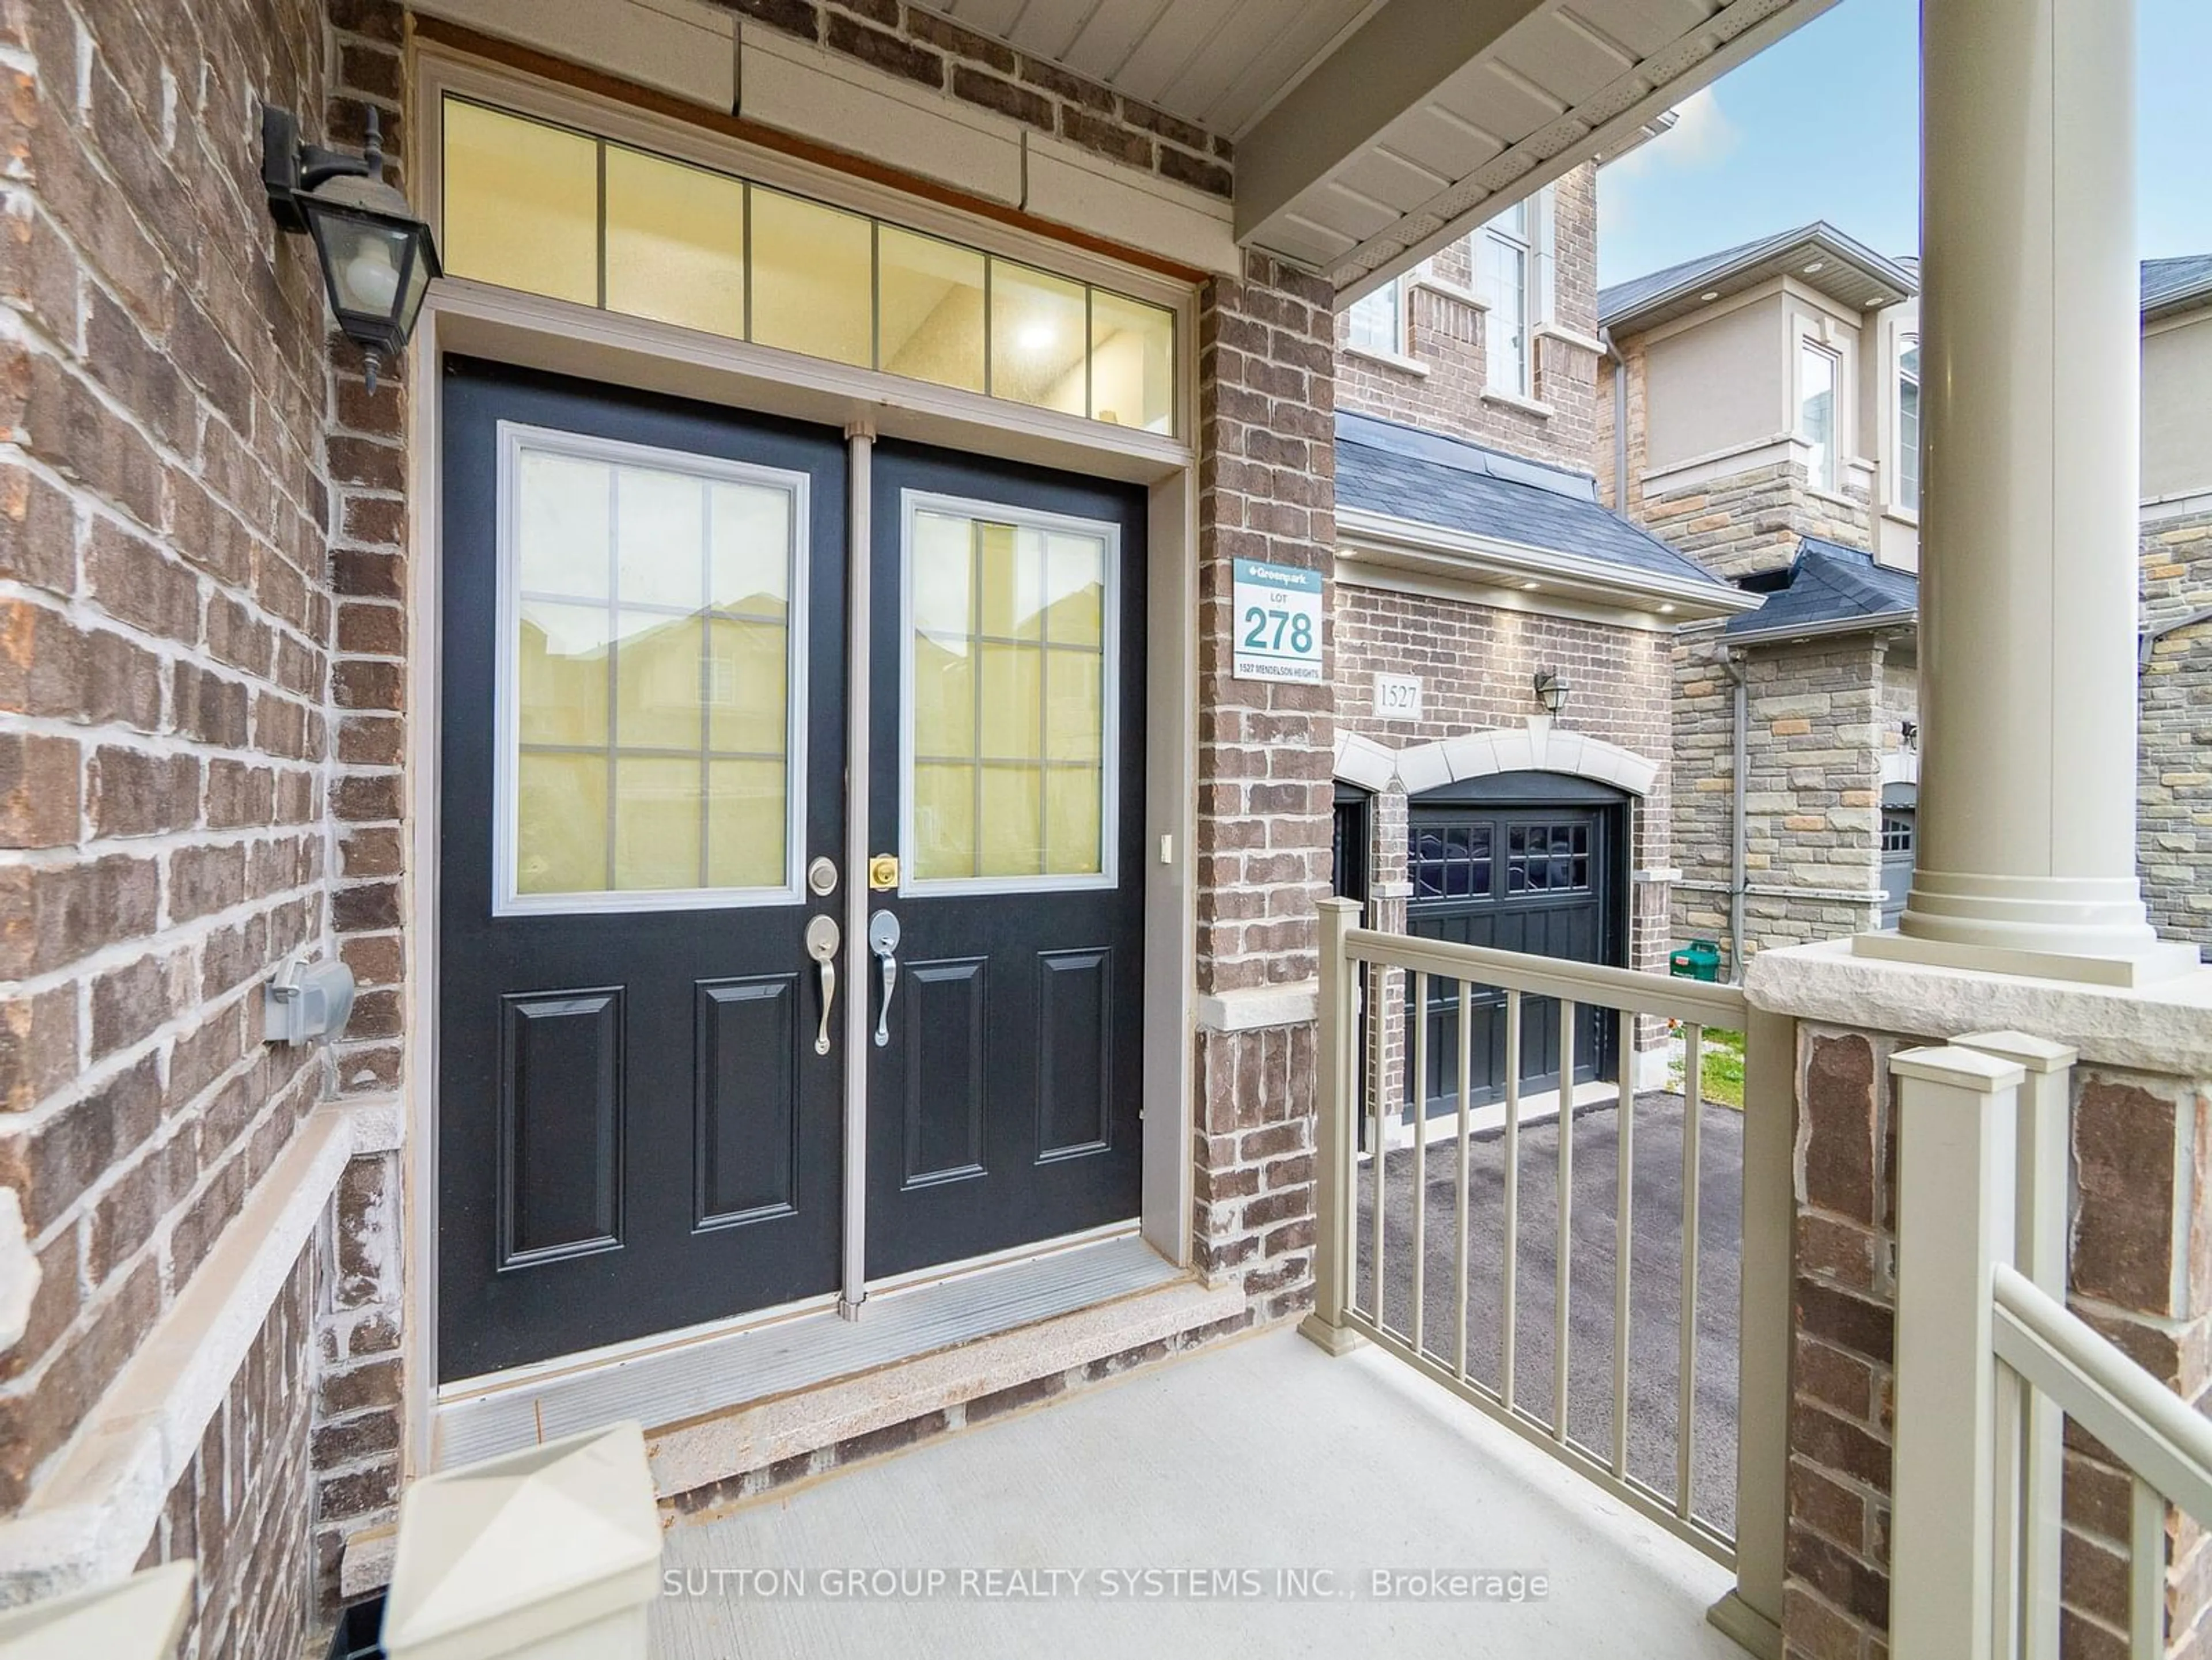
1990	1362
1354	1297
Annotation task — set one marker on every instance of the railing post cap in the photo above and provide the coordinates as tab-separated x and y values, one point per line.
1958	1069
2038	1055
1340	905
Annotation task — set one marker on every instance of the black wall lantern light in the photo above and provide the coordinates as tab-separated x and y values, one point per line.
377	256
1552	690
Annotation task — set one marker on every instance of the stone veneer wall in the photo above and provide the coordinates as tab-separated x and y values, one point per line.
1446	333
166	677
1817	722
2138	1142
2174	790
1750	522
1733	524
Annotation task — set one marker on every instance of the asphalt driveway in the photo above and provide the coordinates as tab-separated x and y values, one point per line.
1655	1282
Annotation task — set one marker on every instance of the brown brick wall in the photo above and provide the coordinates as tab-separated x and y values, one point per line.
1446	335
2142	1281
359	1308
932	51
1265	765
161	506
185	433
1478	667
242	1508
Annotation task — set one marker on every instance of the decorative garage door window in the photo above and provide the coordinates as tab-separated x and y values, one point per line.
1547	858
1897	832
649	698
541	207
1011	677
1451	862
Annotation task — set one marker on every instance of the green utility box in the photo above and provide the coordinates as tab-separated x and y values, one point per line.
1698	960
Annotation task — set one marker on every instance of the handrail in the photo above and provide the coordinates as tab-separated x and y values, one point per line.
1375	1157
1694	1002
2149	1427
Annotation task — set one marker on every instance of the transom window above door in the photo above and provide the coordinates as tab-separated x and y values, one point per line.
1010	695
650	718
530	205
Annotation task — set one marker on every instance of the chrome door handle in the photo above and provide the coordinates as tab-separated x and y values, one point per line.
822	946
884	941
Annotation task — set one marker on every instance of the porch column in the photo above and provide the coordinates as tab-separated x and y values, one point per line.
2027	631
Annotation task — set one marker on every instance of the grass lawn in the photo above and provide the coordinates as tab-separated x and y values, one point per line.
1721	1079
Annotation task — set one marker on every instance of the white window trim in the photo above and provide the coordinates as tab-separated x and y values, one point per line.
914	502
507	716
1398	353
1537	250
1899	506
1832	485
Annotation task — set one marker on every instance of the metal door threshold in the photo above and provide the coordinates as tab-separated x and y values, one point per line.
723	1370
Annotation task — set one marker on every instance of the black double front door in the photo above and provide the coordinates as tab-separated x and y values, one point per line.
642	793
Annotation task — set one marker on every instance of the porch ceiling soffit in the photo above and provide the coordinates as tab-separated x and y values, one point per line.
1434	115
1369	133
1541	747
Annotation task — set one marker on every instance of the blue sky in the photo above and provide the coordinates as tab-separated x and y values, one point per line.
1826	125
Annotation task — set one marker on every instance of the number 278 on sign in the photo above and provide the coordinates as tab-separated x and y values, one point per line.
1278	609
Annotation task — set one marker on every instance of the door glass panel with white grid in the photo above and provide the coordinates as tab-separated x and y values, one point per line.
650	693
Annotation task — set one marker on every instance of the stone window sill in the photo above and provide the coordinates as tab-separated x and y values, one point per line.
1514	401
1451	290
1392	359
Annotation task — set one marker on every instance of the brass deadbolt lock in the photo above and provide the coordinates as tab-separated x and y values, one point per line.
883	871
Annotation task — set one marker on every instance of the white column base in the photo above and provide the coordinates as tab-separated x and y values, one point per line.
2147	965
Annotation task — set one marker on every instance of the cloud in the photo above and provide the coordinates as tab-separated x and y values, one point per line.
1702	136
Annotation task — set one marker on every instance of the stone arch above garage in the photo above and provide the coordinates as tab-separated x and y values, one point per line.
1538	747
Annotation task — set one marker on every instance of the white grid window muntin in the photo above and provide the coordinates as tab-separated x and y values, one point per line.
692	725
1075	754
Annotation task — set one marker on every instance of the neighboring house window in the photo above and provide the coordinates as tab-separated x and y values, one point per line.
1908	425
1377	321
1504	255
1816	410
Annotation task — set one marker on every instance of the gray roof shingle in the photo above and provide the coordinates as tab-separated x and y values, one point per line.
1428	479
2166	282
1831	585
1853	271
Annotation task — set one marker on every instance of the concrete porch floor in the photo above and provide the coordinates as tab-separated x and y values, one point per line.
1261	1459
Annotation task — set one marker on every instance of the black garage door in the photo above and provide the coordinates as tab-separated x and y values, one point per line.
1522	861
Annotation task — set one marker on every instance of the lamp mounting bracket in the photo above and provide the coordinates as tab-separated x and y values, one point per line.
289	167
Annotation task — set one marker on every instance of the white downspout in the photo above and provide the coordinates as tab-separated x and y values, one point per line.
1738	852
